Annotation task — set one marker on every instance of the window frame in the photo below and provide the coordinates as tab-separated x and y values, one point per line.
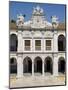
35	46
48	46
24	45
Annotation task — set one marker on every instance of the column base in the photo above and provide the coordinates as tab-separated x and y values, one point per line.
55	74
43	75
19	76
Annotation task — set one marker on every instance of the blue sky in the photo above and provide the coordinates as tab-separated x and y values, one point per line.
27	8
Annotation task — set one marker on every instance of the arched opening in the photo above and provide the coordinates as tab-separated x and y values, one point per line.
61	43
61	65
38	65
13	66
48	65
13	42
27	65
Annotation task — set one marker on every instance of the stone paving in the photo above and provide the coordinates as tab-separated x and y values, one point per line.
36	80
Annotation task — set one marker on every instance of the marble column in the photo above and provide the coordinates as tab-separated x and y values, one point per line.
55	42
43	68
55	65
32	68
19	66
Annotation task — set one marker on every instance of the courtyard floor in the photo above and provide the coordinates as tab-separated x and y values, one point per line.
37	80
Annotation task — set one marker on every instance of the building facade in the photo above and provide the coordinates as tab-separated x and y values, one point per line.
37	47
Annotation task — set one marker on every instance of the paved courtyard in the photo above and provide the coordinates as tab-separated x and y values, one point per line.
36	80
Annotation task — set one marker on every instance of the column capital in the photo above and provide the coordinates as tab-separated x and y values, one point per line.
19	55
55	66
19	31
32	62
55	54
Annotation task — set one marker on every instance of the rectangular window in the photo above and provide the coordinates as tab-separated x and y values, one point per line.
48	44
27	45
37	45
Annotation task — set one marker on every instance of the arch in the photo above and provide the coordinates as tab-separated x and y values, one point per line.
48	65
13	66
61	65
13	42
14	32
27	65
38	65
61	43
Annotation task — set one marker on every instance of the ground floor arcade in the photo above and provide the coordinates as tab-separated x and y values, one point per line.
37	65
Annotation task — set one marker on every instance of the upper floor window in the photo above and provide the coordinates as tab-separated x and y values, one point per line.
48	45
37	45
61	43
27	45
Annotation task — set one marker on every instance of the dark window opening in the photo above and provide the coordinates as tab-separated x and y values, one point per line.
61	43
13	42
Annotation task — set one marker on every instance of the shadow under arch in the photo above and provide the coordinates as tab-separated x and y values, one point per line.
38	65
27	65
61	65
13	66
48	65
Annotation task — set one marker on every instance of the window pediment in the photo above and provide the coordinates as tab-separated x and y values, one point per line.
48	34
26	34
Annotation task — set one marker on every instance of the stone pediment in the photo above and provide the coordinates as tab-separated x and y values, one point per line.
37	34
38	25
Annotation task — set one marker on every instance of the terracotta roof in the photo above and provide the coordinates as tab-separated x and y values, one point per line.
12	25
61	26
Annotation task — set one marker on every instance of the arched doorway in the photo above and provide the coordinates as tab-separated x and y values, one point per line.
61	43
61	65
13	42
48	65
13	66
27	65
38	65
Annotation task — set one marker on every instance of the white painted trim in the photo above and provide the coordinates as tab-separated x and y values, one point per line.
24	45
45	45
34	46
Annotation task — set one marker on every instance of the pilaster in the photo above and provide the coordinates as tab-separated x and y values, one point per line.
19	66
55	42
20	41
55	65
